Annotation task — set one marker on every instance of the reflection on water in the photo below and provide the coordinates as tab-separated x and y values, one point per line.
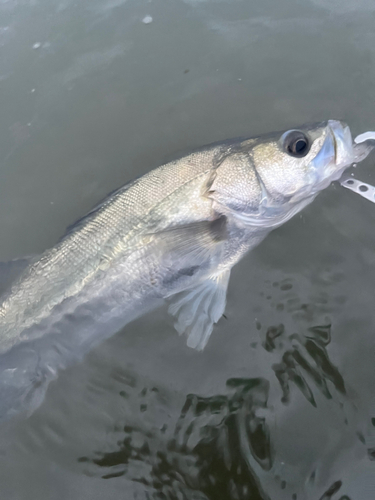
226	446
303	359
206	454
281	404
285	426
307	357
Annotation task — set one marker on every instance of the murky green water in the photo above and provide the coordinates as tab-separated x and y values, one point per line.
281	404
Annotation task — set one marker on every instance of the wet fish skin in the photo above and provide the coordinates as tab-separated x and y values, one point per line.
251	182
173	234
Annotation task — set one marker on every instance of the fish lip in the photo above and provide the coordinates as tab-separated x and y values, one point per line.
343	156
334	139
343	142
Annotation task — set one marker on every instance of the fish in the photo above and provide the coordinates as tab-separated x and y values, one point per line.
170	236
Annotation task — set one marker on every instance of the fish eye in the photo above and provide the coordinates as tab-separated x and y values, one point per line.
296	144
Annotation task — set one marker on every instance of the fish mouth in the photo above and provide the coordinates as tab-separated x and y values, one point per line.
342	145
332	134
335	155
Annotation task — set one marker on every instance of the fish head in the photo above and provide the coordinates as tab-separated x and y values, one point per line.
266	180
301	162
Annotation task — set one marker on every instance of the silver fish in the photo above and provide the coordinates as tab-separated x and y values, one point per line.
172	235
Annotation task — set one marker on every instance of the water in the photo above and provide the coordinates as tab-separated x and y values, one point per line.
280	405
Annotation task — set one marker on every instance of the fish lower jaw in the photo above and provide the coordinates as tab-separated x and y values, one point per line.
332	177
273	217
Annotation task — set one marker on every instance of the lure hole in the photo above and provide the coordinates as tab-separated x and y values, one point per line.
350	182
363	188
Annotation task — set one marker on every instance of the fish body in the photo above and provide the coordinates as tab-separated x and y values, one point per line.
150	239
173	234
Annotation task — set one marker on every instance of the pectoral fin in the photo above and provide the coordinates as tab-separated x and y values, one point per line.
192	244
197	309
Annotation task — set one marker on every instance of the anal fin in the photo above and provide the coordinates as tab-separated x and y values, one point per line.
197	309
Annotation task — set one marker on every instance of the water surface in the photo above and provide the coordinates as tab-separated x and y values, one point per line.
280	405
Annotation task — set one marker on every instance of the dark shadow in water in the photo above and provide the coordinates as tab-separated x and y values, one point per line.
307	358
206	455
220	446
